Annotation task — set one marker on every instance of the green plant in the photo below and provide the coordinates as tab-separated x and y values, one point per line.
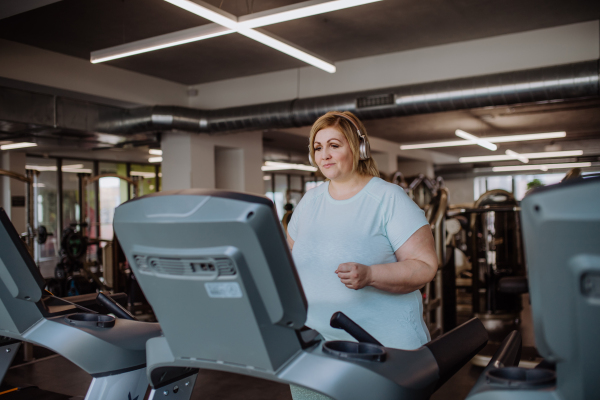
534	183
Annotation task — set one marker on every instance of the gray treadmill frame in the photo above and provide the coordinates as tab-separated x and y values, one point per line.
561	232
164	235
115	357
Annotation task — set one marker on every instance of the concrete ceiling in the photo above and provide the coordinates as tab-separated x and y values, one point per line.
76	28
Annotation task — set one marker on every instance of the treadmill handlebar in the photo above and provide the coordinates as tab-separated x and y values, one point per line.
454	349
114	307
339	320
509	352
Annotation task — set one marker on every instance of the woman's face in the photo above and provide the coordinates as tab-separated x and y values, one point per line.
333	154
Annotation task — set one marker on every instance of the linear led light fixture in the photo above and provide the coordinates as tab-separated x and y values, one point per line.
255	20
296	11
159	42
227	20
17	145
155	159
52	167
542	167
517	156
502	157
155	152
495	139
278	166
478	141
143	174
73	168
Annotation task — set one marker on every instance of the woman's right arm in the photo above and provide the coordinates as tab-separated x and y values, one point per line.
290	241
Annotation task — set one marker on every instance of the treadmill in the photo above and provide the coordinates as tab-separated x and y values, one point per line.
561	233
218	273
112	350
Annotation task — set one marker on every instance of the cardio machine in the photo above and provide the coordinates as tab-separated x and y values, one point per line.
561	233
218	273
110	349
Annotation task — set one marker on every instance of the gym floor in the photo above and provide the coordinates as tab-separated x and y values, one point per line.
56	374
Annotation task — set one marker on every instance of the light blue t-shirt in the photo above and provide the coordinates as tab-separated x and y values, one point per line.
367	228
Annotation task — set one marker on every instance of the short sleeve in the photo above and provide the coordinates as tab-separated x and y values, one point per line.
402	217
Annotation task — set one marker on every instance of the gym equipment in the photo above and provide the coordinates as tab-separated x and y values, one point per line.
39	234
497	266
219	275
111	350
561	234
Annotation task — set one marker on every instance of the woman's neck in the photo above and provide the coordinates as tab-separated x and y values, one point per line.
342	189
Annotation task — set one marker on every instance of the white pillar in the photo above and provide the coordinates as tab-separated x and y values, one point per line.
13	191
387	163
414	167
230	162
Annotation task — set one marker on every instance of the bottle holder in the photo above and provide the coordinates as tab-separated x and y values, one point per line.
354	350
521	377
89	320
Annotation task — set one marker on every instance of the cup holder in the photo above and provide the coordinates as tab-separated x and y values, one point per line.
354	350
521	377
89	320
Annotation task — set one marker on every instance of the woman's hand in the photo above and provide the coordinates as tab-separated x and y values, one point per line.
354	275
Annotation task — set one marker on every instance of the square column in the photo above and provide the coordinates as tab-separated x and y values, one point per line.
229	161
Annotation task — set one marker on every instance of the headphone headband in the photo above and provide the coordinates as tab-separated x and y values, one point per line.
347	118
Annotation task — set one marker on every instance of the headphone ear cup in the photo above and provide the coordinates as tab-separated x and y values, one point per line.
364	149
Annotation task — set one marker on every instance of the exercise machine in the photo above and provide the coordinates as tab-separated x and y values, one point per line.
33	233
110	349
218	273
561	232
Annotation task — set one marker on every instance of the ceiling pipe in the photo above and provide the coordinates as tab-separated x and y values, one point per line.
562	82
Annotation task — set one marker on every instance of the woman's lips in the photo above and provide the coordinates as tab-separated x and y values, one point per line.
327	165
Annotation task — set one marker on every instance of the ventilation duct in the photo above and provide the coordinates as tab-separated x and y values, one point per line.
570	81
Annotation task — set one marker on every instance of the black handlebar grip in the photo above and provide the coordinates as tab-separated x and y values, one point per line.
114	307
509	352
454	349
339	320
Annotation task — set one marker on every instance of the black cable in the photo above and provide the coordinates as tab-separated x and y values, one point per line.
73	304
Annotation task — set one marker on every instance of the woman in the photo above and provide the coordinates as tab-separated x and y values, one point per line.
360	244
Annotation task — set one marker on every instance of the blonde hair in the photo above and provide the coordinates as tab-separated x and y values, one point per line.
333	120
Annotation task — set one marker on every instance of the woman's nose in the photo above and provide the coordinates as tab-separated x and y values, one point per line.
326	154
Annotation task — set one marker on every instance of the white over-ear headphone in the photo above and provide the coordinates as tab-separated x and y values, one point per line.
364	148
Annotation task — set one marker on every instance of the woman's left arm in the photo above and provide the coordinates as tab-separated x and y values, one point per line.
417	264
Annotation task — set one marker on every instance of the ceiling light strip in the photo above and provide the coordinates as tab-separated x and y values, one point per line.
208	12
255	20
481	142
503	157
495	139
296	11
542	167
159	42
517	156
17	145
277	166
278	44
220	17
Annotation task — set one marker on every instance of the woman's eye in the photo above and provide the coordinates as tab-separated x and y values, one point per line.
317	148
335	146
